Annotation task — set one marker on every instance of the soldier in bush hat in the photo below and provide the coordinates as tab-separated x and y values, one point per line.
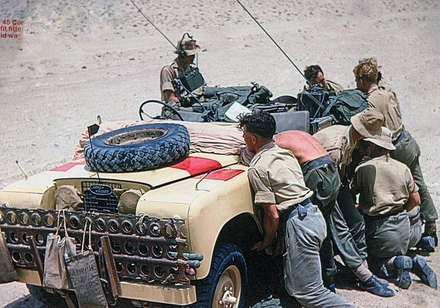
383	99
186	51
340	142
387	192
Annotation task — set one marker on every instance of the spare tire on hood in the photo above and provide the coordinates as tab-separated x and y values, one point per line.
137	148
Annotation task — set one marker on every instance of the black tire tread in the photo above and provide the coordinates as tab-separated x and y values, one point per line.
225	254
149	155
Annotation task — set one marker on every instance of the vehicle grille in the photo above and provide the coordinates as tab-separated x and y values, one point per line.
99	197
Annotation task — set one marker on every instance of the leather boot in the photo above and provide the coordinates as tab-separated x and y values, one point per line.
429	239
424	272
374	286
402	266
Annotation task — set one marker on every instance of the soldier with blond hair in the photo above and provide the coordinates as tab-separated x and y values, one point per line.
383	98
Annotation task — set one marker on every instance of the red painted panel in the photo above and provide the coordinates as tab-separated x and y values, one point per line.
197	165
222	175
67	167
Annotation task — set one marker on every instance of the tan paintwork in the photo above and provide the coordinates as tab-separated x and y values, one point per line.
181	295
206	209
28	193
206	203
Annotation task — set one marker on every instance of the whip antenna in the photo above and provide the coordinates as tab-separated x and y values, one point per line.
145	16
276	44
178	50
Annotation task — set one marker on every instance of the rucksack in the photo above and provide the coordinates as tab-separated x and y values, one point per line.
219	99
345	105
315	100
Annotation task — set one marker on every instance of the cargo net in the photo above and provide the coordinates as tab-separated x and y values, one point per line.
145	249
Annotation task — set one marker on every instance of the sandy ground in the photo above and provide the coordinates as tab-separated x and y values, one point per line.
65	62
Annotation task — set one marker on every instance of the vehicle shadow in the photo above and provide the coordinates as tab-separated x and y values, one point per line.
266	288
27	301
265	283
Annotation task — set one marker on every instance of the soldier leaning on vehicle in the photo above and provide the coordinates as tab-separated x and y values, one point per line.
387	191
322	177
383	98
276	178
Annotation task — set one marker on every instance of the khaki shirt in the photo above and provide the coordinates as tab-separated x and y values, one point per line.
382	85
383	184
385	102
338	142
168	74
333	86
276	177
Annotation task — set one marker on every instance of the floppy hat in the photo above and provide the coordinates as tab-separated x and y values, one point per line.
368	123
189	46
384	140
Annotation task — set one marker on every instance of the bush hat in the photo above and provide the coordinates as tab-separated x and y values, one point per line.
368	123
384	140
188	45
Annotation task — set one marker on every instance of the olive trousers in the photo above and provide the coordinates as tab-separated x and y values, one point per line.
325	183
408	152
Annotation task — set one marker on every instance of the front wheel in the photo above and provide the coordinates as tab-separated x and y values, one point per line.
225	286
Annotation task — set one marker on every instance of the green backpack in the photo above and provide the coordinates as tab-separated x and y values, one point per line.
345	105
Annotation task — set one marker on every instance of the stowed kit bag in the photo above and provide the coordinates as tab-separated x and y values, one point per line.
7	269
84	275
346	104
315	100
342	106
55	272
219	99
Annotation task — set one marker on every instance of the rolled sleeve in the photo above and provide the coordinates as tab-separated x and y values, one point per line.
167	75
411	184
262	187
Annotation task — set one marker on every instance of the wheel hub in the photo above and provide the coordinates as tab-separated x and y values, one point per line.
228	298
228	288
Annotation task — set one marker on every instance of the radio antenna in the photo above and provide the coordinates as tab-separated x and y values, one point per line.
178	50
276	44
145	16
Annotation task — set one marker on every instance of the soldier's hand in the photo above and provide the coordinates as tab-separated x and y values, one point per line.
258	246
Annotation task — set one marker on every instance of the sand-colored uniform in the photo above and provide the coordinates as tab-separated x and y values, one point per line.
276	177
338	142
167	75
384	185
385	102
332	86
407	150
